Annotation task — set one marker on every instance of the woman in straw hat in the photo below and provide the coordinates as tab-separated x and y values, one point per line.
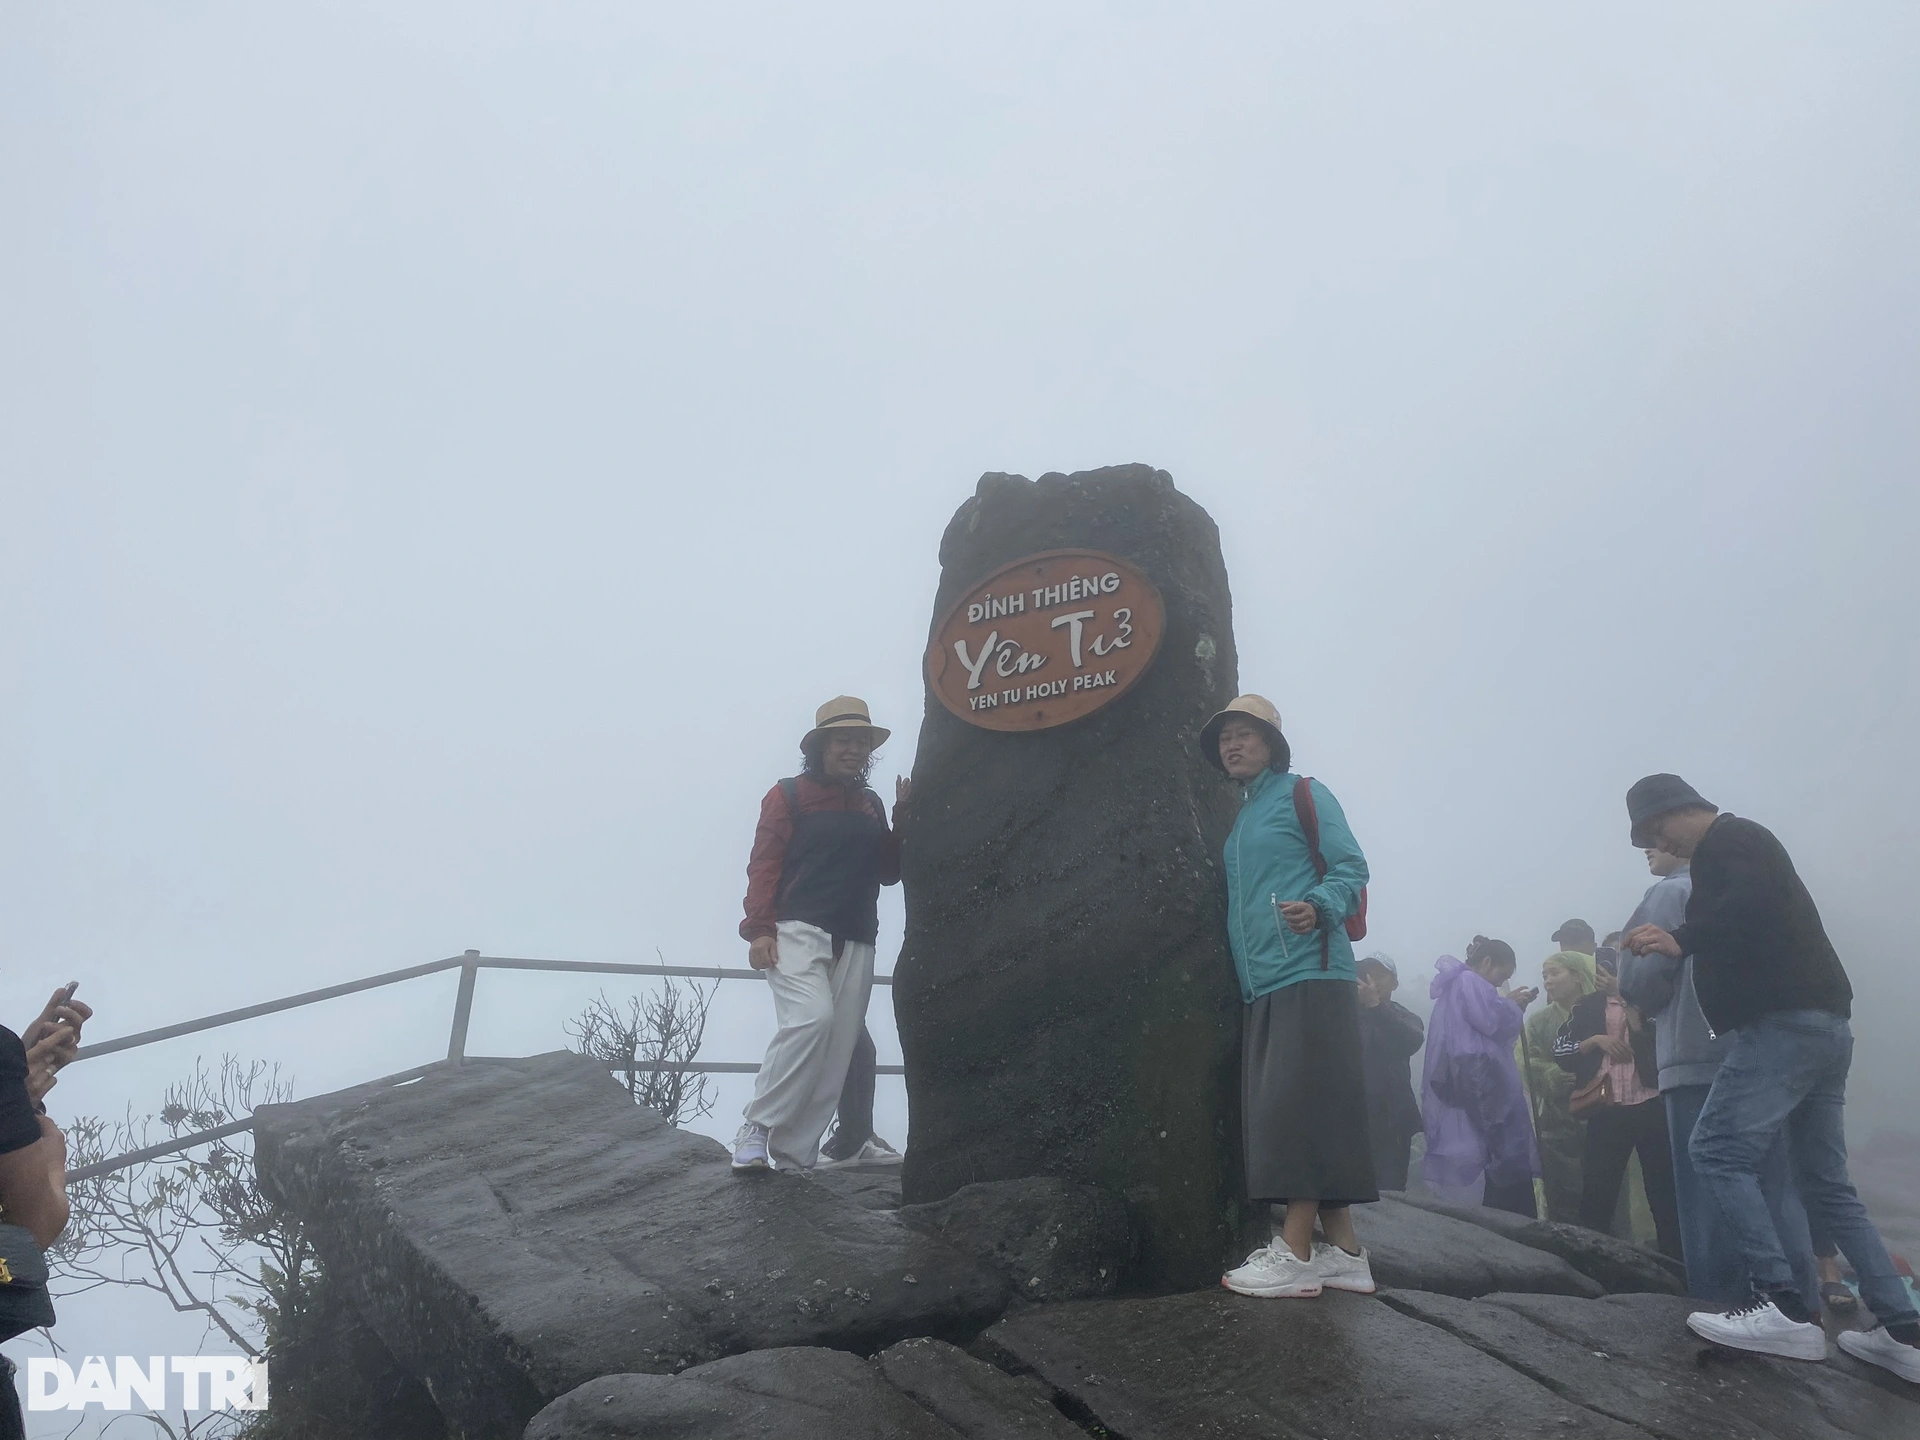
1303	1081
821	853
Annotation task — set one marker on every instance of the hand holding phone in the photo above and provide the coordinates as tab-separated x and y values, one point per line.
63	1011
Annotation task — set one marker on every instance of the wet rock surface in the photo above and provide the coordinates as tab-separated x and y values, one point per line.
1418	1249
1631	1357
1407	1364
978	1400
1065	997
795	1394
1616	1266
511	1229
1053	1239
1210	1366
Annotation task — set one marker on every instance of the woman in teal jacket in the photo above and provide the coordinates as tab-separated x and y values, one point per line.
1303	1085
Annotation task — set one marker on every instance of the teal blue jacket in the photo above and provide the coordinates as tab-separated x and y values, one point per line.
1267	859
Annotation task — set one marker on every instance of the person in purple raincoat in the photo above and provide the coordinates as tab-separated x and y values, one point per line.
1480	1145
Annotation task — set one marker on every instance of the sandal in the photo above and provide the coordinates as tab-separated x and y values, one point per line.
1836	1296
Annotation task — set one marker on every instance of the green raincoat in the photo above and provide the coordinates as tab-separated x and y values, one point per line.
1549	1088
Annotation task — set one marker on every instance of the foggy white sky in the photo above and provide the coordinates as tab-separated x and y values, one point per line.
447	451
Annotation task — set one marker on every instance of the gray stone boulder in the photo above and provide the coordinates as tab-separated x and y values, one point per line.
871	1187
1615	1265
795	1394
976	1399
1065	996
1632	1358
511	1229
1053	1239
1420	1250
1216	1366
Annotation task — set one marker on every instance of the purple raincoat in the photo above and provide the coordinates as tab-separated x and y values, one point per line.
1477	1123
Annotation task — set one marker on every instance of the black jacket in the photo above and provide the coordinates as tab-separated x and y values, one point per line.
1389	1034
1756	939
1589	1018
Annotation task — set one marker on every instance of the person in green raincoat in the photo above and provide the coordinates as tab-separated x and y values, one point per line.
1565	976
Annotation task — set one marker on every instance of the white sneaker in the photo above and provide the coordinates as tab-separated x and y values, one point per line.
873	1151
1877	1347
1340	1271
1761	1328
750	1148
1274	1273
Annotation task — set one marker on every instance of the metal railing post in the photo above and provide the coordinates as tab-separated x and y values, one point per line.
463	1008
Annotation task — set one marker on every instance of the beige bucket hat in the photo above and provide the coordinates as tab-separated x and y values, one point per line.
1256	708
845	712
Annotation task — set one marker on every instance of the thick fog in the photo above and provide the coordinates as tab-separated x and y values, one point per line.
447	452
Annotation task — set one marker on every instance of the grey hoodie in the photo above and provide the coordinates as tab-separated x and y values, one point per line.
1684	1046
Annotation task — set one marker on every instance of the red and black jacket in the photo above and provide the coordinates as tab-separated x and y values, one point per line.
821	852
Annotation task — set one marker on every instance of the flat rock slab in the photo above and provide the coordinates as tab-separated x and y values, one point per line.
794	1394
1054	1239
512	1229
977	1400
1416	1249
1631	1358
1339	1367
1615	1265
875	1187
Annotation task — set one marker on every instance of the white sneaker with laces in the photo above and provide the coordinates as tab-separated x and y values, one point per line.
873	1151
1877	1347
750	1148
1274	1273
1340	1271
1761	1328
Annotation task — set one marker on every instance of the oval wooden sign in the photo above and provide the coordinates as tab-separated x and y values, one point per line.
1045	640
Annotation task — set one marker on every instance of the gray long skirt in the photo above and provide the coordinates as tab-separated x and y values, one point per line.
1303	1097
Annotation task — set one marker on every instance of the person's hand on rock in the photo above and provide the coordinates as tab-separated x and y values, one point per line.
902	791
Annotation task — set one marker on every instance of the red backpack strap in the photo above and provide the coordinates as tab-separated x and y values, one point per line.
1309	818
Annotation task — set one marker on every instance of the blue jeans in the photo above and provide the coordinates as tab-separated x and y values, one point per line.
1716	1271
1787	1072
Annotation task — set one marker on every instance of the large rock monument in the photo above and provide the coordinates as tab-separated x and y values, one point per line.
1065	996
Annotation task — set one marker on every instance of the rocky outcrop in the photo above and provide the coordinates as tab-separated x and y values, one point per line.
795	1394
511	1229
1403	1364
1420	1250
1215	1366
974	1398
1631	1358
917	1390
1065	996
1053	1239
1614	1265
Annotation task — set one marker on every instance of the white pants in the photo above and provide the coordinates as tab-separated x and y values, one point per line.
820	1004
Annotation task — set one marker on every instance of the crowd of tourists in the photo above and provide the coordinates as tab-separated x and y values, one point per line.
1707	1040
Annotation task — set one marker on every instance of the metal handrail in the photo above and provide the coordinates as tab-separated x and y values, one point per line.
414	972
469	965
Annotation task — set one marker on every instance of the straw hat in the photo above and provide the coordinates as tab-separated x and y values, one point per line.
844	712
1256	708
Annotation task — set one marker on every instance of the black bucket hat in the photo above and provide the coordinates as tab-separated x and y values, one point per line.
1658	795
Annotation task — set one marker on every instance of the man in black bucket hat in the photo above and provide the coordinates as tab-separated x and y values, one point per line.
1765	972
